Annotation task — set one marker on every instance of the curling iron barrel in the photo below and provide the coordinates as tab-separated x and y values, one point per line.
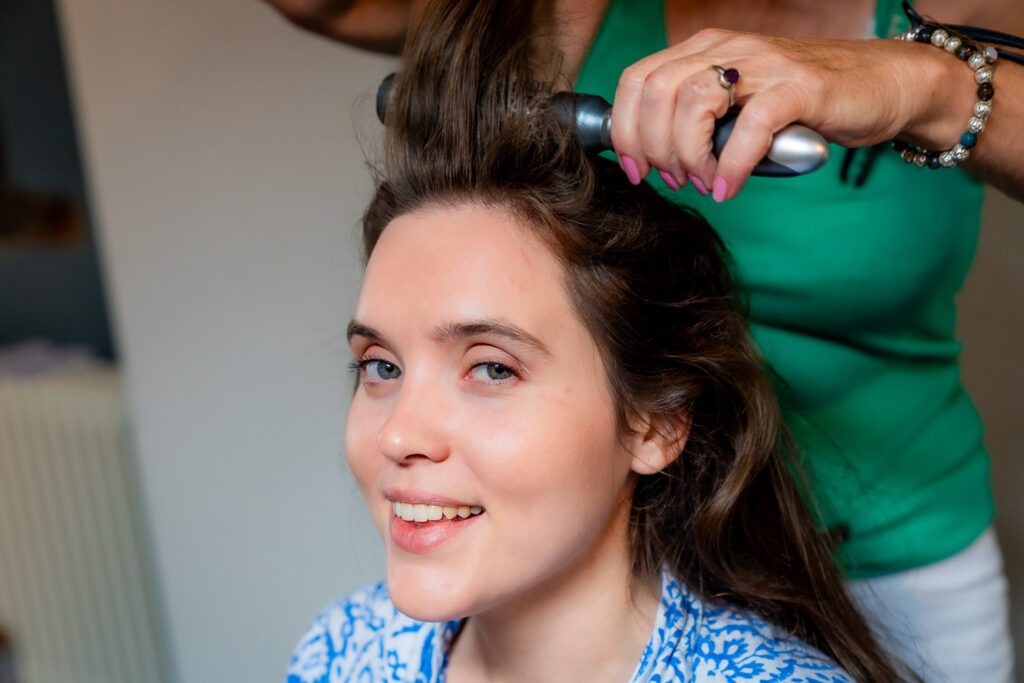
795	150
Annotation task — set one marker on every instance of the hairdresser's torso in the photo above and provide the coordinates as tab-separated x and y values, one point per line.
683	18
851	292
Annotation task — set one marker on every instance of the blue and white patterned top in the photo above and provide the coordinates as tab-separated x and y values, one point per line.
364	638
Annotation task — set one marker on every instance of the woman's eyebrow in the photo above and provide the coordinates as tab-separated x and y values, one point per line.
461	330
357	329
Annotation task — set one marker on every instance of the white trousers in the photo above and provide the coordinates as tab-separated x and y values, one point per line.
948	621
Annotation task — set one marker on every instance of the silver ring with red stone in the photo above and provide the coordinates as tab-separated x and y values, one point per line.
728	78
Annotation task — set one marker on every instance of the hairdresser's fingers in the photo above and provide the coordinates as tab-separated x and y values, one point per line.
763	115
657	119
702	100
628	118
629	112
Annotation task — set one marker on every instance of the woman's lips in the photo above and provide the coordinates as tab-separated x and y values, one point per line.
422	521
419	496
423	537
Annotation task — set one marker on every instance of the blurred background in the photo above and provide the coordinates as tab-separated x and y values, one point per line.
180	189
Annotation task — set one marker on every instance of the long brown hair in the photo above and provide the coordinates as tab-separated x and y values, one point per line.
467	121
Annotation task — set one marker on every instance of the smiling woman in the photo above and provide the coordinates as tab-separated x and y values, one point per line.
489	393
560	425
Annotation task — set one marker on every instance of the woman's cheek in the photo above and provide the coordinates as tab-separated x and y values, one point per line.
501	423
361	450
519	445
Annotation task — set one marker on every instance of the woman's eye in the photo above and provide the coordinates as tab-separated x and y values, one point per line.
493	372
381	370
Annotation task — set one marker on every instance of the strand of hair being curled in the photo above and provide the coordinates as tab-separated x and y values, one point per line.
467	122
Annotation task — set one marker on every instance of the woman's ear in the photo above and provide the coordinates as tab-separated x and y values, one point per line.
658	441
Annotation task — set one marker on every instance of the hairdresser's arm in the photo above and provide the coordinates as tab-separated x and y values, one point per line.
856	93
999	156
377	25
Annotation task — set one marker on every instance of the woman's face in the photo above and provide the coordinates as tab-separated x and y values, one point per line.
481	393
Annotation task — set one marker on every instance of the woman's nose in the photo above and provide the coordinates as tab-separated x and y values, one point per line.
414	429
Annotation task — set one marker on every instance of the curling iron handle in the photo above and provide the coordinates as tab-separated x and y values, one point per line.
795	149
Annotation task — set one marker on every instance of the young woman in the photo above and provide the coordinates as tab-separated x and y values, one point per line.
560	425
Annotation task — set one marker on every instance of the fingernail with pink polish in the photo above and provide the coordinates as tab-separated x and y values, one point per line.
672	183
630	167
699	184
719	189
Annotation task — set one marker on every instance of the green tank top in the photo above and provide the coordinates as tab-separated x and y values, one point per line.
851	297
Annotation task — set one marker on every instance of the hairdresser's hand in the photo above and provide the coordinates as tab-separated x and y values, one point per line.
854	93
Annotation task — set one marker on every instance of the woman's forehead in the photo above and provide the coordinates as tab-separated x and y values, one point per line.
465	252
467	262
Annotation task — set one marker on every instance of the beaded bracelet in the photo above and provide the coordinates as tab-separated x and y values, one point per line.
982	60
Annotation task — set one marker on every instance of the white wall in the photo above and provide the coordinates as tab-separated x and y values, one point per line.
228	183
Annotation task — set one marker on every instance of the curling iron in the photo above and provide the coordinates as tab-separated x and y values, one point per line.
795	150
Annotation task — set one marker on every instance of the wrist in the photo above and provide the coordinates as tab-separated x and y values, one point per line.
980	59
947	94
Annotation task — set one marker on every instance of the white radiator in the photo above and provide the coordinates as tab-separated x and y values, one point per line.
74	589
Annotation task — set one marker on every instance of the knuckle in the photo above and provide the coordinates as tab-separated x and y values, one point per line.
663	162
732	160
691	157
659	84
656	152
759	117
651	152
675	166
632	79
623	141
695	88
752	41
710	35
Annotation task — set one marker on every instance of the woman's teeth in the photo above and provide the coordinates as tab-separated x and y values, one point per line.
428	513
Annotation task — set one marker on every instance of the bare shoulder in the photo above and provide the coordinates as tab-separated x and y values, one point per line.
1000	15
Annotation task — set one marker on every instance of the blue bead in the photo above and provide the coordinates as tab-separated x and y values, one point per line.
968	139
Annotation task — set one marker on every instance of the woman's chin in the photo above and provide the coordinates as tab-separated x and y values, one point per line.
427	594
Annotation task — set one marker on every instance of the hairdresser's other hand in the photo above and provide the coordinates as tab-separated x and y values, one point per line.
376	25
855	93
